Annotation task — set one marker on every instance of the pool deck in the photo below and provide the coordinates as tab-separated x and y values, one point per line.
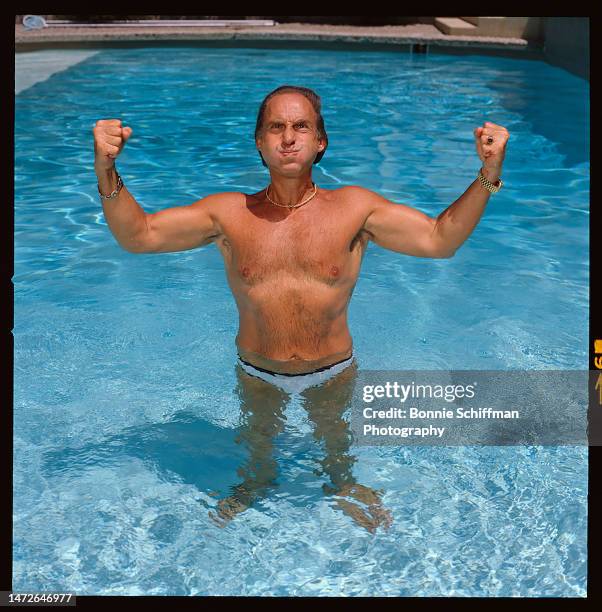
41	53
301	32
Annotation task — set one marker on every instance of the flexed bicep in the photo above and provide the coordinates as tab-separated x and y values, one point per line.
182	228
400	228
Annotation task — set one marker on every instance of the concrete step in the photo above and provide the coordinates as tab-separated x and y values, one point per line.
455	26
506	27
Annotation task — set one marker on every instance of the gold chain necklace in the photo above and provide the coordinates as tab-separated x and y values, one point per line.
267	195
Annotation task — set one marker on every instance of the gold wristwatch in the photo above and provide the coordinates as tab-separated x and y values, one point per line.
491	187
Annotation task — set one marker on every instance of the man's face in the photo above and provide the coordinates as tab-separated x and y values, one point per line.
289	140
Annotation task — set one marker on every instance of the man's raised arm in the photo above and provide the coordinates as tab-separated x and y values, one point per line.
173	229
406	230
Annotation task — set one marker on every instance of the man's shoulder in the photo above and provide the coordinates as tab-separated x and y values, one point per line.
354	195
221	200
353	191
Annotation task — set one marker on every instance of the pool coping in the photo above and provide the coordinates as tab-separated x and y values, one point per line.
421	35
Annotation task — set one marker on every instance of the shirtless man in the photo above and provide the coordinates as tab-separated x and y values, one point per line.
293	251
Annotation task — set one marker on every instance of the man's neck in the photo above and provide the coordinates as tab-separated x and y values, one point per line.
290	191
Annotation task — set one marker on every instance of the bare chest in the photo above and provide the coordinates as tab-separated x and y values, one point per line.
305	247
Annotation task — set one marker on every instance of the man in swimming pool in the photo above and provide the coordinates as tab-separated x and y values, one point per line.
293	250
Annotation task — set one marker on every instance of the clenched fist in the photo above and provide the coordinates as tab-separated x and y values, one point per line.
491	142
109	138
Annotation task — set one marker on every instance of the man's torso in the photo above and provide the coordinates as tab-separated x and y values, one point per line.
292	275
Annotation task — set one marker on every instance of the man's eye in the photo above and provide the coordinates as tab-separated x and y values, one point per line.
300	126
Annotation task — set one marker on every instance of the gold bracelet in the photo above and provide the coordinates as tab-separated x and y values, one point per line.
115	191
491	187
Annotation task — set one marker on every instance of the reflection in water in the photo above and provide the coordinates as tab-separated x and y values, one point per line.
262	405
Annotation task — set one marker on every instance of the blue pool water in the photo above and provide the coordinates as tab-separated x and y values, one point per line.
125	417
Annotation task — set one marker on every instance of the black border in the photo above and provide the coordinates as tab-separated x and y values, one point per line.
594	583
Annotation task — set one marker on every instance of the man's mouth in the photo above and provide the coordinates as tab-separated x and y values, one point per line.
290	152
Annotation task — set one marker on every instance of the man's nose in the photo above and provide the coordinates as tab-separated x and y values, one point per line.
288	136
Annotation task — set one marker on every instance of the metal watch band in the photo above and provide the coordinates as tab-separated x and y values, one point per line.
115	191
491	187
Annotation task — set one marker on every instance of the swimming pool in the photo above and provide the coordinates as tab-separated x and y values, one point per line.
125	418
